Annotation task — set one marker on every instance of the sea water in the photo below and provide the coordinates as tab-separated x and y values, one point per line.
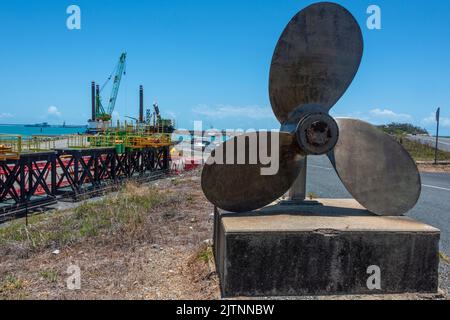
48	131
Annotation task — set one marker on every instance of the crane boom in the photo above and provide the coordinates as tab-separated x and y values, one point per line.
116	83
157	113
106	115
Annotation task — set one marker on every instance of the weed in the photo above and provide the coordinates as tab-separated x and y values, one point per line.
443	257
205	254
50	275
11	283
190	198
312	196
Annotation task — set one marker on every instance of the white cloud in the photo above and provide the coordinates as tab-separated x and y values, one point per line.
431	120
227	111
5	115
389	115
352	115
53	111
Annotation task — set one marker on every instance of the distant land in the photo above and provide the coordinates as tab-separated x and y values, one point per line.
51	125
402	128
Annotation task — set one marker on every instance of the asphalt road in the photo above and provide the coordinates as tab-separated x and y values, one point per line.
433	207
444	143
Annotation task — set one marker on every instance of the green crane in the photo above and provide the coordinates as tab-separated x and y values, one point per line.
106	114
157	113
166	125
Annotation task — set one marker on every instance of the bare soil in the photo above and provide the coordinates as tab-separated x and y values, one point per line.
429	166
170	264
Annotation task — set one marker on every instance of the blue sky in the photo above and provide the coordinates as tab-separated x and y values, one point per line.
209	60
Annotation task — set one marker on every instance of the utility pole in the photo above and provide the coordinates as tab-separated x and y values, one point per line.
438	114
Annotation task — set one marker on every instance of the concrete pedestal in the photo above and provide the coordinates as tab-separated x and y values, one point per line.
323	250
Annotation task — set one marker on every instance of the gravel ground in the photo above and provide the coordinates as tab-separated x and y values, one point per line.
165	267
429	166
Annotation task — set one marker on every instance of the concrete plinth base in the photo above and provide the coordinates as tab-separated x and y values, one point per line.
324	250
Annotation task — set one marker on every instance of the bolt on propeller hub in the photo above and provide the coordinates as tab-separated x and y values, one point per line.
317	134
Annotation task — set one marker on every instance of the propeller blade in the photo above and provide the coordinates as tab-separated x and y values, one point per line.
315	59
377	171
240	179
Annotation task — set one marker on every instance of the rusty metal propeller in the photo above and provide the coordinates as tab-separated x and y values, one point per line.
314	63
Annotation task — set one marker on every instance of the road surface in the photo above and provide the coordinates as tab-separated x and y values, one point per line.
444	143
433	207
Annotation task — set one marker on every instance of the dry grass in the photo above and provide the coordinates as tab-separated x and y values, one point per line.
128	217
429	166
142	243
422	152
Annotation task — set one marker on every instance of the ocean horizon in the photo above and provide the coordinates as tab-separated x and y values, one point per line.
53	130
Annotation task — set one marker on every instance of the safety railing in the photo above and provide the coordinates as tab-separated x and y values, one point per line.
10	147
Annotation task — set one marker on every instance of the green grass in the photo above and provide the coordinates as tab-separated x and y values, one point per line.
205	254
11	282
50	275
421	152
12	286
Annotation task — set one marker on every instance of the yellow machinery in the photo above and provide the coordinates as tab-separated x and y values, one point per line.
130	140
10	147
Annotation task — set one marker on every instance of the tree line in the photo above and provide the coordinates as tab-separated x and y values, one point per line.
402	128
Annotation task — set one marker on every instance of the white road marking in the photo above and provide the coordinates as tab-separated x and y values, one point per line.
320	167
434	187
424	185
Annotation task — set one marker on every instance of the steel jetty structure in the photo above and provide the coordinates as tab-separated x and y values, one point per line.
37	171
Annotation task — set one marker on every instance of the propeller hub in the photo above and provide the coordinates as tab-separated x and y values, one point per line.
317	134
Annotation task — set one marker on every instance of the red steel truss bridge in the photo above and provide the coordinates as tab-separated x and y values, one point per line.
37	180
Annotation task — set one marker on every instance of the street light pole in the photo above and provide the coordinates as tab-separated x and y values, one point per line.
438	113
